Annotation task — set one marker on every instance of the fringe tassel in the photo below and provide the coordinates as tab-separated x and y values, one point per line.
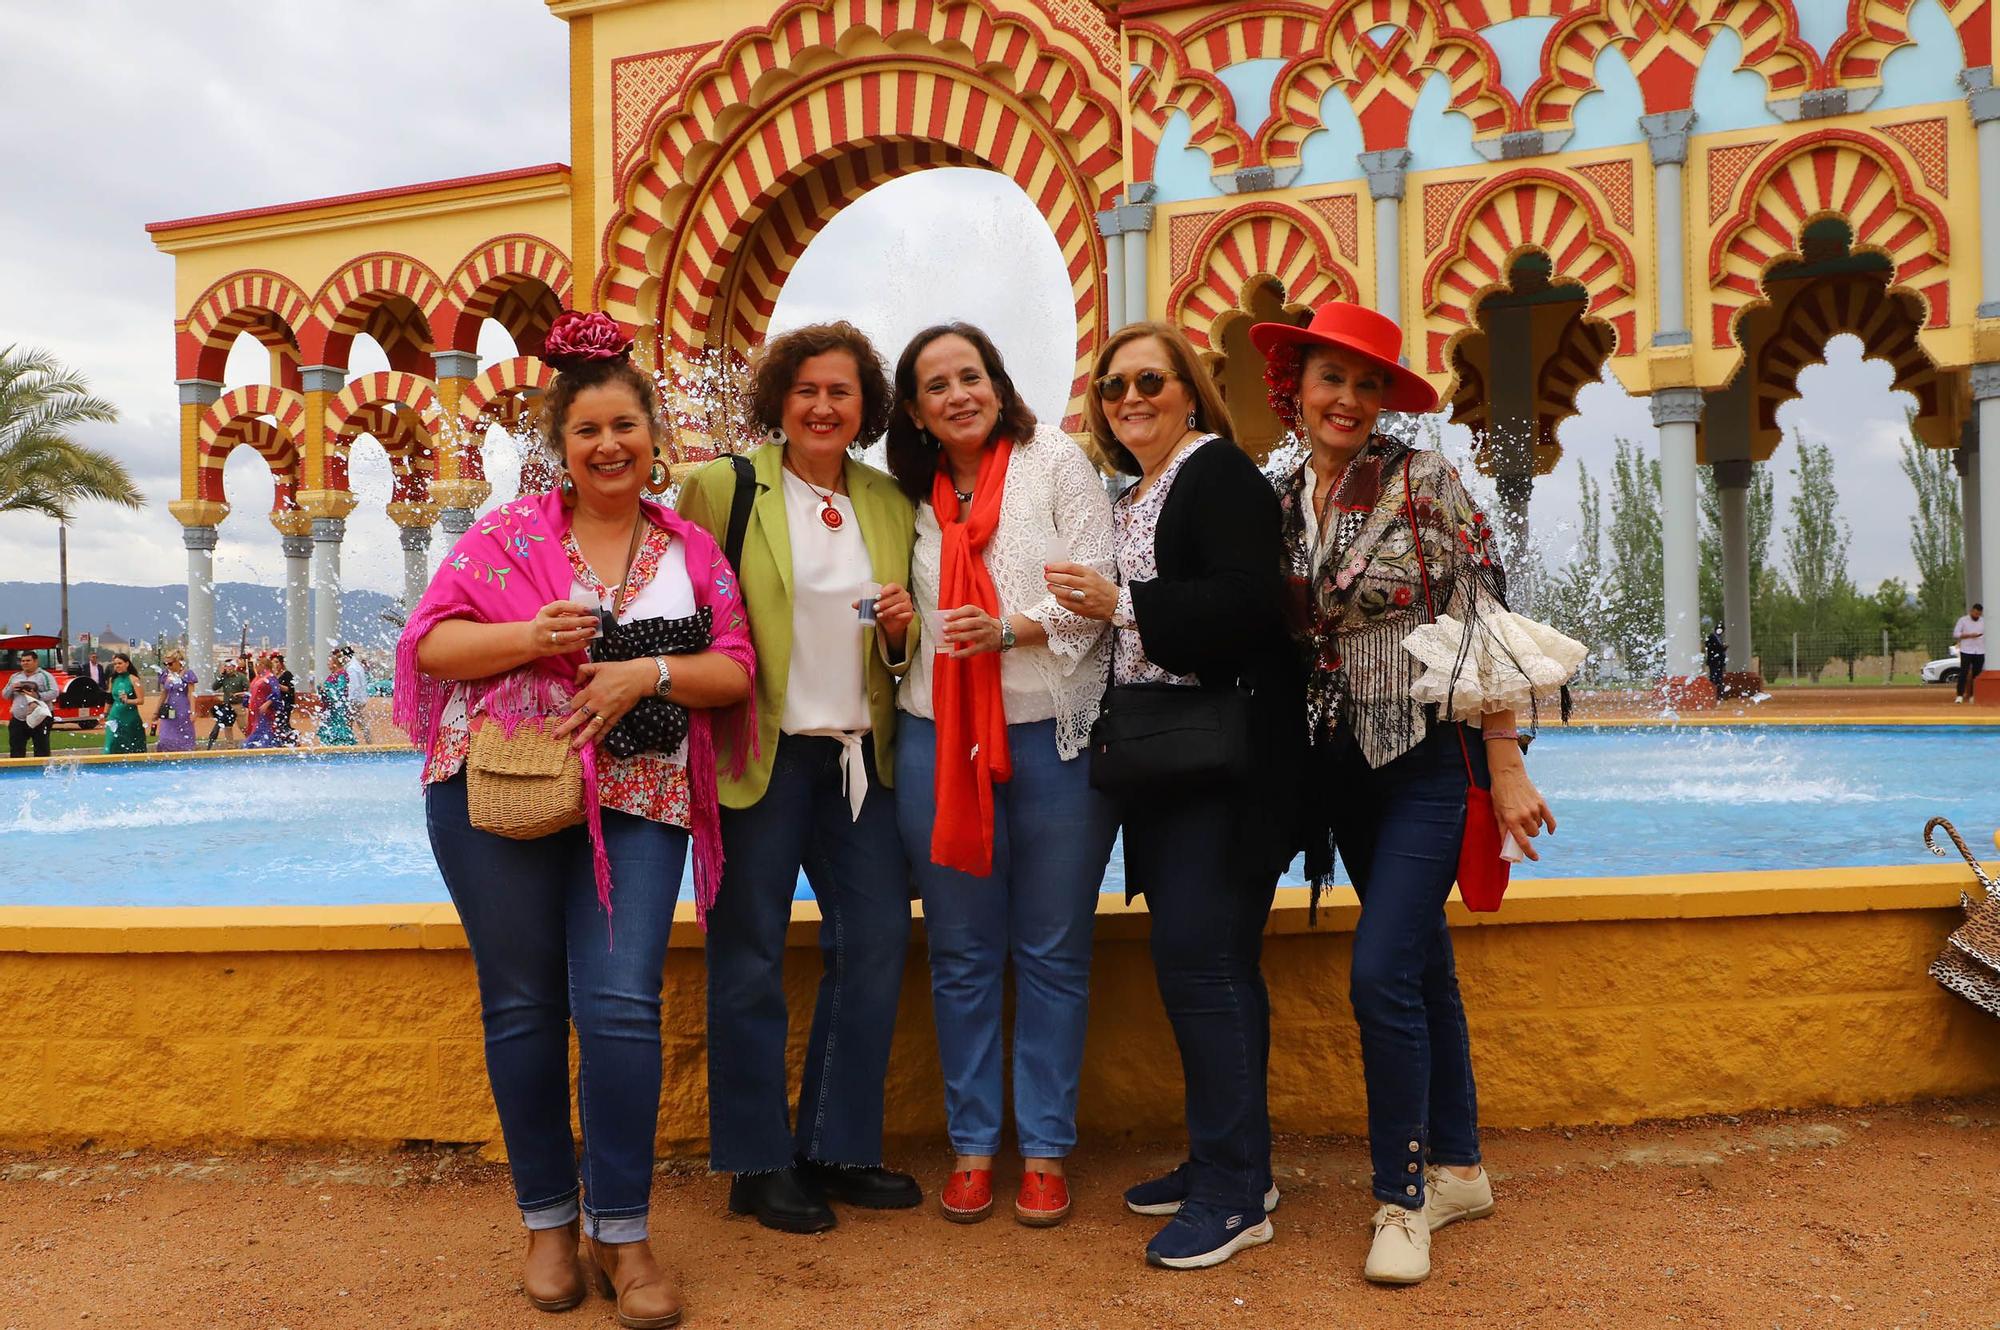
600	862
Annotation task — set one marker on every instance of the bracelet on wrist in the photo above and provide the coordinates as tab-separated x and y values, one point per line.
1500	734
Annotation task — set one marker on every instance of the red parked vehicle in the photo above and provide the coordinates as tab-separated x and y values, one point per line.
82	717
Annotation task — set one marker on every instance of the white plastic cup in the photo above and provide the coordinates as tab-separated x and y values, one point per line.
869	592
1055	549
934	629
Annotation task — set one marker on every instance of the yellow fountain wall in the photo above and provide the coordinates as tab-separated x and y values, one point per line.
1589	1002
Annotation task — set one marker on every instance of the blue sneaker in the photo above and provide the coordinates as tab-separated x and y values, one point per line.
1201	1235
1163	1195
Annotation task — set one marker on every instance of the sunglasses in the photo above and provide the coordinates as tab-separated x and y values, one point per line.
1150	383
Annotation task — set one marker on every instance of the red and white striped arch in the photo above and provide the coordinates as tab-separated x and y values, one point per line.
348	304
1028	99
1532	209
404	405
1864	180
514	279
1863	305
1242	247
1171	80
266	417
501	394
1875	28
264	304
1382	80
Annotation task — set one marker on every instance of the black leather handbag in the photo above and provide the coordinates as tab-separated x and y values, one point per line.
1150	738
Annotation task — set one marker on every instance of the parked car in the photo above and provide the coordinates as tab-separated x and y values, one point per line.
68	713
1941	671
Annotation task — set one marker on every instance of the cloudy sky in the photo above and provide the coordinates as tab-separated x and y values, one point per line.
121	114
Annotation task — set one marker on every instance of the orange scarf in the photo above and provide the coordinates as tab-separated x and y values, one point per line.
965	693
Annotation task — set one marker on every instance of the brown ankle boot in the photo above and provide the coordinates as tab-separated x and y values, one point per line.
627	1273
552	1275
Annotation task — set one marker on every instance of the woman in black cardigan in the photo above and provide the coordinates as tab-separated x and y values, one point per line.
1200	604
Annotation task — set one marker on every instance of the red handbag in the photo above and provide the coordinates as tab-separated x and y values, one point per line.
1482	873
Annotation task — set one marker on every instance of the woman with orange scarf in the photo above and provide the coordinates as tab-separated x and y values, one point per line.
1006	837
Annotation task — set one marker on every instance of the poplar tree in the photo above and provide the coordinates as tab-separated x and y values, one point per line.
1937	539
1816	541
1762	509
1636	595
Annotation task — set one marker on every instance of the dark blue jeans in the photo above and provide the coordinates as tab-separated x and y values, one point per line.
1051	837
1208	916
857	873
543	950
1398	829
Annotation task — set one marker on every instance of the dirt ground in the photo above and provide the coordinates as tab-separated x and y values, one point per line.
1855	1218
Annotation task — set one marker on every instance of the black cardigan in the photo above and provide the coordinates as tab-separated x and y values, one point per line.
1217	610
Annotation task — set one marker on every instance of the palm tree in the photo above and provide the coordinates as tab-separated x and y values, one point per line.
43	469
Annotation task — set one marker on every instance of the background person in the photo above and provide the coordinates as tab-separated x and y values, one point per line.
1008	848
815	792
284	697
357	696
335	726
174	722
590	562
260	705
1198	604
232	696
1379	540
1969	633
30	695
124	726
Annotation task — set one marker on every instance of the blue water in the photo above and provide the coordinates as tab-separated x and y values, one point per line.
349	830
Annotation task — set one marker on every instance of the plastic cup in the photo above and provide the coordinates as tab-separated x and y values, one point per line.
934	630
869	592
1055	549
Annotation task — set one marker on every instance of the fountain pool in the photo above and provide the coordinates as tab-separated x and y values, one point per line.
320	829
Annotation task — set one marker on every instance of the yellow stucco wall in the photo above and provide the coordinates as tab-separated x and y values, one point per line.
1603	1001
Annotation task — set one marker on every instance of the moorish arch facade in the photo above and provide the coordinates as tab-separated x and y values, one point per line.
1693	195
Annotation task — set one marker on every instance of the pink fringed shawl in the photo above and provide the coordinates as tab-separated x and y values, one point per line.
509	565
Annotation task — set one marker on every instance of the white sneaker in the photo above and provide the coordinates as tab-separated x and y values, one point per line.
1449	1198
1401	1253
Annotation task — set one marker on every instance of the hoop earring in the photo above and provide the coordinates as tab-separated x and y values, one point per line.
1191	420
657	478
566	487
775	436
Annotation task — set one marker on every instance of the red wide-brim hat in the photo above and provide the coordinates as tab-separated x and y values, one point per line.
1361	332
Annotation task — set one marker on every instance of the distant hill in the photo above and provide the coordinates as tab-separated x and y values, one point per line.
146	613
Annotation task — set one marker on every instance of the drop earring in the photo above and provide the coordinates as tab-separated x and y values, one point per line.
1191	419
567	489
657	478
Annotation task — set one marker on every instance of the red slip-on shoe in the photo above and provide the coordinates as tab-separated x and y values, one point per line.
1044	1200
968	1196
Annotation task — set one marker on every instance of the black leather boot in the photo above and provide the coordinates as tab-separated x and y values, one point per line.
782	1200
871	1188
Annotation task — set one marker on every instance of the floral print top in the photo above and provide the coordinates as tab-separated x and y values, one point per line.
649	785
1135	524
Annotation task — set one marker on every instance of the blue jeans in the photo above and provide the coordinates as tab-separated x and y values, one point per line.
543	950
857	873
1398	830
1208	914
1052	835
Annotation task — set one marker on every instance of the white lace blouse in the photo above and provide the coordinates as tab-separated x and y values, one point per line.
1052	490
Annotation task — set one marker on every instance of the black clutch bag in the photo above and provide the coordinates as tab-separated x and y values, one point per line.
1154	737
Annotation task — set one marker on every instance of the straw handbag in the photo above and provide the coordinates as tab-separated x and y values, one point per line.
1969	965
523	785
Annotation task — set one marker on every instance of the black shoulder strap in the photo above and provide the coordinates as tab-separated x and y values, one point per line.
739	509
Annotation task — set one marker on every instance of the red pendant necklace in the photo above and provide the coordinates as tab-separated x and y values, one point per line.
829	515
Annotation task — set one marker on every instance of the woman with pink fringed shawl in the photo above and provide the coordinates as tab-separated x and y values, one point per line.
621	623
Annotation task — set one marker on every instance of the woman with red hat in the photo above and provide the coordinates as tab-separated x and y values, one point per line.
1416	671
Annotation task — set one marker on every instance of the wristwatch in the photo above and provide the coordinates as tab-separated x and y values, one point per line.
1006	635
666	683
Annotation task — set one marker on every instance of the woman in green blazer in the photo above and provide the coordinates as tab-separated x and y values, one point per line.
828	537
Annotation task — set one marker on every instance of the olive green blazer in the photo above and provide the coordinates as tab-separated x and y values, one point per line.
888	529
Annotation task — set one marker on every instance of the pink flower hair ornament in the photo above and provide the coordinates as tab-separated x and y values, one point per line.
575	339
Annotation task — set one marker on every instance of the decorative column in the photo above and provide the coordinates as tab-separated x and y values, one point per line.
1677	413
416	563
456	521
1983	99
1385	185
1986	392
1134	223
327	533
1966	462
298	603
1732	491
200	543
1114	269
1667	139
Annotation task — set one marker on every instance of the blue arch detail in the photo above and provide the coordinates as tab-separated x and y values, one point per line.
1609	115
1333	151
1439	136
1927	71
1726	97
1180	171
